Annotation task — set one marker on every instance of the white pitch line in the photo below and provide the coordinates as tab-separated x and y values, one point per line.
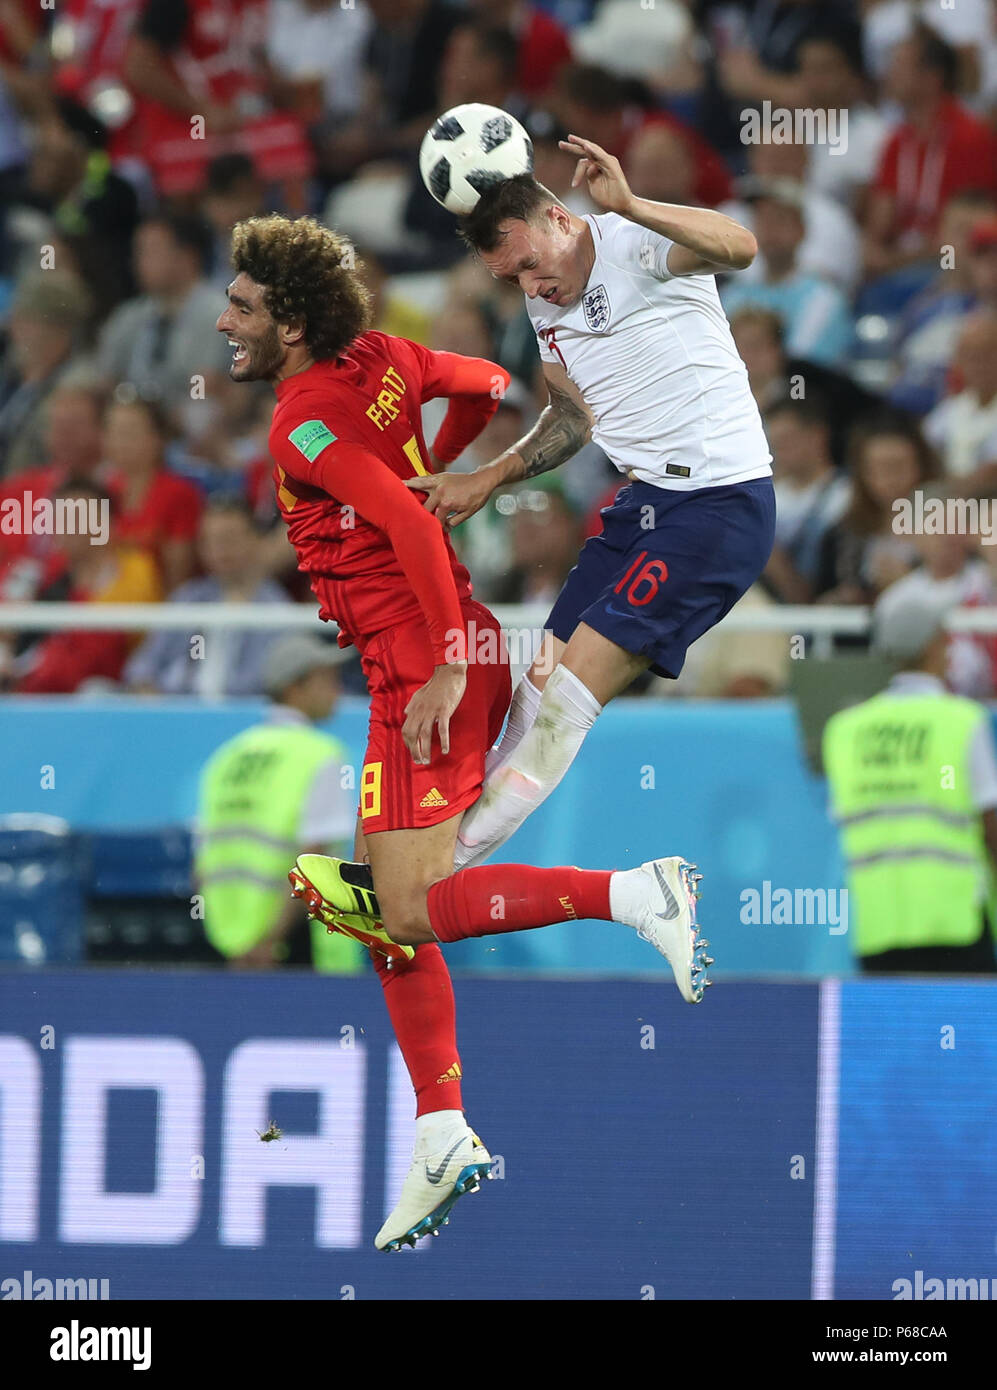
826	1148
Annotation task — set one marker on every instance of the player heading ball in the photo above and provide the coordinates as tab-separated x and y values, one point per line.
638	355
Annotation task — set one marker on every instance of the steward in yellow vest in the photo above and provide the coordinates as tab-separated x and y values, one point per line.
266	796
912	775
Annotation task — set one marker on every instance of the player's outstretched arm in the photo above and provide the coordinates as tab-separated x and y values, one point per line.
474	385
704	240
565	424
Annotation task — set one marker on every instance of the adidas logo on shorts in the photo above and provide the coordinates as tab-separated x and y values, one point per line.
434	797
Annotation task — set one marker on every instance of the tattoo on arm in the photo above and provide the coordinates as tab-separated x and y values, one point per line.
560	432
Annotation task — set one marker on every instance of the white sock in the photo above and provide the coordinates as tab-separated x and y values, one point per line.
522	714
431	1130
567	711
627	896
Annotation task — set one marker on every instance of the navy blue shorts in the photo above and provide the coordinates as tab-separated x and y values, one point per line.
667	567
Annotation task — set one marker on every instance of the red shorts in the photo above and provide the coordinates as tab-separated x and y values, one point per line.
395	792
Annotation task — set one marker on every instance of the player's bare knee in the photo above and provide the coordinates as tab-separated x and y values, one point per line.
409	927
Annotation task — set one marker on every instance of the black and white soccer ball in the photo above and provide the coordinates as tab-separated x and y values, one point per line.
468	150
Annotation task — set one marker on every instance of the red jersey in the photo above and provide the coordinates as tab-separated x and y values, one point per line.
543	48
90	41
29	562
345	434
169	511
93	39
923	172
208	47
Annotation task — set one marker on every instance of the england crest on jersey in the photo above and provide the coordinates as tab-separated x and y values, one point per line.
596	306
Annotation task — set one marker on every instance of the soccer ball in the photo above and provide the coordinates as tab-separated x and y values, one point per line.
469	149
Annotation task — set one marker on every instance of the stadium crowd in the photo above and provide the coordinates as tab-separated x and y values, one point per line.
859	142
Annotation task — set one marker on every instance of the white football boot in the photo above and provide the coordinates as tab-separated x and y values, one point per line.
659	900
433	1184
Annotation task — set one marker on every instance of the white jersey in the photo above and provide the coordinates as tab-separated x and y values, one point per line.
653	357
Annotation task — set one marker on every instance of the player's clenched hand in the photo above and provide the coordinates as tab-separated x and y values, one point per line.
453	497
432	707
607	184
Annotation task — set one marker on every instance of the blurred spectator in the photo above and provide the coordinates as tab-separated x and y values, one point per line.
760	60
950	575
712	177
234	192
276	790
939	149
161	339
402	65
198	59
219	435
964	426
259	493
654	43
610	110
480	63
931	321
920	848
29	560
772	376
156	510
462	326
13	162
544	539
831	81
404	56
71	180
986	546
542	44
314	53
391	312
983	263
862	554
726	665
660	165
552	166
966	26
811	496
228	662
48	318
482	542
88	45
21	25
112	572
831	247
814	313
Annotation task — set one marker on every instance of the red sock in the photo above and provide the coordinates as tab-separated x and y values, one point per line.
420	1002
511	897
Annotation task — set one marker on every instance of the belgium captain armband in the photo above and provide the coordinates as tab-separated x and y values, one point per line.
311	438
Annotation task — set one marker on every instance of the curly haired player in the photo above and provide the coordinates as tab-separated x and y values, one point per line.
345	437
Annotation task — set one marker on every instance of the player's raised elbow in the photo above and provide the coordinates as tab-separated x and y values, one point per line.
743	249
